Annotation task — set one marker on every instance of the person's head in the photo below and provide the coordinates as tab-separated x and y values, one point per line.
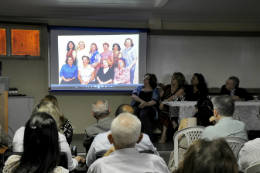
129	42
232	83
125	131
49	108
85	59
105	46
204	108
124	108
116	47
41	145
150	79
199	81
106	62
100	109
224	105
81	45
178	79
52	99
93	48
209	157
69	60
121	62
70	46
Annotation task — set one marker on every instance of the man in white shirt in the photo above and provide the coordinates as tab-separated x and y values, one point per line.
125	133
100	145
224	107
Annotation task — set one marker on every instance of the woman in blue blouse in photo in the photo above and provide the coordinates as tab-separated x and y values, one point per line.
145	98
69	72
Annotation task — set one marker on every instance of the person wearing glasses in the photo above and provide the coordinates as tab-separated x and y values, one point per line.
224	107
170	93
145	98
231	88
204	110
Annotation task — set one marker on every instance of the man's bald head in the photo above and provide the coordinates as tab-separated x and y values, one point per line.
100	109
124	108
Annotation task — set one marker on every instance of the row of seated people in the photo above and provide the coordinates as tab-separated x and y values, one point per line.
219	113
223	109
149	103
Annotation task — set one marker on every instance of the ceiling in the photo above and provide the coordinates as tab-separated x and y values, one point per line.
235	11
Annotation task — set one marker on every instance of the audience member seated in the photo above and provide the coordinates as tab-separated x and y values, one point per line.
101	144
41	147
100	111
197	89
224	107
249	154
145	98
52	110
203	113
124	157
170	93
65	123
208	157
231	88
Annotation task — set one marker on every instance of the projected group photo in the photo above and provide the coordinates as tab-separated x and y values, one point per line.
99	59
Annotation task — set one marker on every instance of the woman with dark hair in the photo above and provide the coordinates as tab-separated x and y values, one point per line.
145	98
105	74
51	109
197	89
86	74
95	57
204	110
64	122
208	157
117	54
41	148
69	72
71	51
121	74
170	92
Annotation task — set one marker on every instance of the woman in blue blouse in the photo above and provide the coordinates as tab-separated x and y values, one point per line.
145	98
69	72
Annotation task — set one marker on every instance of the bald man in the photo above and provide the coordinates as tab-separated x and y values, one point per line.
100	111
101	144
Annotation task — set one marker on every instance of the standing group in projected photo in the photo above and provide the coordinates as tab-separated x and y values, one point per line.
92	67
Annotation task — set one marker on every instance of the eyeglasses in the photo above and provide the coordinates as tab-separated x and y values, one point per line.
145	79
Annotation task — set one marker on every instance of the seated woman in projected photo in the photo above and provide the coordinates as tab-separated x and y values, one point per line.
105	74
69	72
86	74
122	74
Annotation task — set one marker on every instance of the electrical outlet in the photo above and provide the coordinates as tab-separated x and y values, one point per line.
74	128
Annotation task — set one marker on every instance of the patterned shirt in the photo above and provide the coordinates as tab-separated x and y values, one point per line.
122	76
107	55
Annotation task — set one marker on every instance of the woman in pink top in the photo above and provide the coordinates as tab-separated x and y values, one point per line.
122	74
107	54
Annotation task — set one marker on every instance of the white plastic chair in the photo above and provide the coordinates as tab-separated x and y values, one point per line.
253	169
191	133
235	144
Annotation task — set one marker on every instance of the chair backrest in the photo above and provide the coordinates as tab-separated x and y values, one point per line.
253	169
235	144
191	133
147	151
63	161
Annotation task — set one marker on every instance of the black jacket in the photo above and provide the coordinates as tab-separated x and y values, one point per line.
240	92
